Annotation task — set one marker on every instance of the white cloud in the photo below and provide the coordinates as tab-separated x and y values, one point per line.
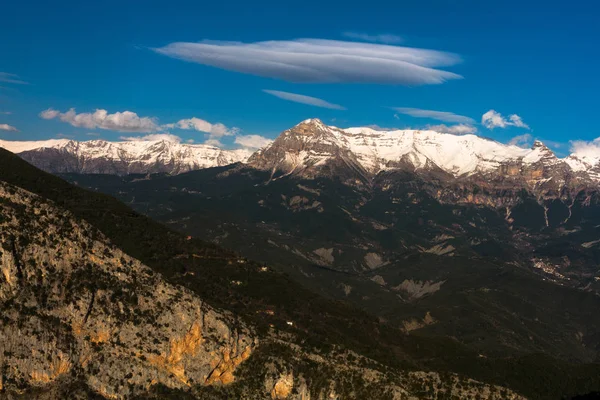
525	140
518	121
6	112
582	148
11	78
381	38
299	98
6	127
460	129
216	130
126	121
152	137
439	115
192	123
493	119
252	141
214	142
49	114
321	61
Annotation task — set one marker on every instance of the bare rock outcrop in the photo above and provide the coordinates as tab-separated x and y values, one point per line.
74	305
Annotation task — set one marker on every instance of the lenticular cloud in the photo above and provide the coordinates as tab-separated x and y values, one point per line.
321	61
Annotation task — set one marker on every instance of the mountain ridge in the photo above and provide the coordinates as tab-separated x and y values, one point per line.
122	158
377	151
308	145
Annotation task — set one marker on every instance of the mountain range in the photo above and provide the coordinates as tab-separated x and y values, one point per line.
311	143
121	158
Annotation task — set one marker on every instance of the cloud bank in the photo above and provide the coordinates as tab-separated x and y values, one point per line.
439	115
126	121
493	119
299	98
321	61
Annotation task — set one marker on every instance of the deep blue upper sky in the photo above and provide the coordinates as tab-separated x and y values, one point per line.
540	62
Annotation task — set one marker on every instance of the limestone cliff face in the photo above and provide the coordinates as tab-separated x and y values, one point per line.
545	180
74	305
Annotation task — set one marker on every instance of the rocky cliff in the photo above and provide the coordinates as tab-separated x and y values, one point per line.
74	305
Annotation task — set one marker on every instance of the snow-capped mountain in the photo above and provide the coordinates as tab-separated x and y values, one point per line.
311	146
104	157
585	162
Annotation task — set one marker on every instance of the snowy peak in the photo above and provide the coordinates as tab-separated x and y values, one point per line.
306	148
313	122
100	156
312	132
540	153
21	146
312	147
313	144
541	148
587	164
457	155
586	160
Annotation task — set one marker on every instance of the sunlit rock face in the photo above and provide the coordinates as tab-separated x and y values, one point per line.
312	148
75	305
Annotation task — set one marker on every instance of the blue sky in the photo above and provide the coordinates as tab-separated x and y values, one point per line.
517	58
